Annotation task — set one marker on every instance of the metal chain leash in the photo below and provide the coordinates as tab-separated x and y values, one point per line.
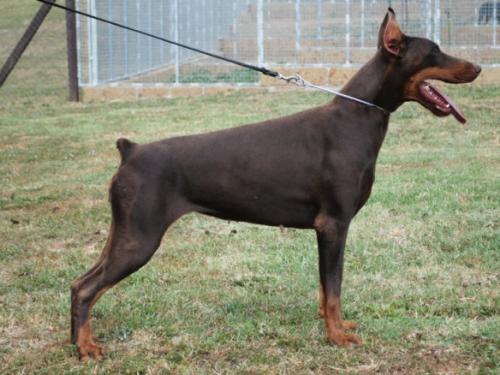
297	80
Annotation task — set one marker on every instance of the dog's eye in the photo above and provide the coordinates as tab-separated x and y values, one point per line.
436	49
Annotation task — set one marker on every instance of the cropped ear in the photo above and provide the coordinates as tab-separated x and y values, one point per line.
390	36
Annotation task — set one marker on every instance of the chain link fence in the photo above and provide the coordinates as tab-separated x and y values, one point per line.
316	33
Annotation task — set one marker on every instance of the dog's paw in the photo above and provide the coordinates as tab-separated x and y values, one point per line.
90	350
341	338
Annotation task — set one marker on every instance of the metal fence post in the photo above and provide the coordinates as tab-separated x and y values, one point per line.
93	50
187	5
218	21
260	32
362	23
199	25
150	40
211	17
125	37
428	8
495	3
110	42
297	26
476	13
319	15
437	21
204	30
176	38
78	42
72	52
347	33
234	32
162	33
138	44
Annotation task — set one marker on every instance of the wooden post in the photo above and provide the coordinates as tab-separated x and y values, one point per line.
71	48
25	40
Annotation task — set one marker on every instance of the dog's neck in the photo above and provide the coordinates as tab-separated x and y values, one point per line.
375	82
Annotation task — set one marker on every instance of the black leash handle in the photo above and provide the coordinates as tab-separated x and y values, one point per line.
260	69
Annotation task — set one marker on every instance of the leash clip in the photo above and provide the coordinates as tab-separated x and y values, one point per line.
295	79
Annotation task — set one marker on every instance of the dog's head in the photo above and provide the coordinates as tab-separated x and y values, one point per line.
419	59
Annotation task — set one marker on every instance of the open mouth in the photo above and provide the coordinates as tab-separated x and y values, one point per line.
438	102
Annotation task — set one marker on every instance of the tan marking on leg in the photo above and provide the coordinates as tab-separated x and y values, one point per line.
87	348
334	325
320	222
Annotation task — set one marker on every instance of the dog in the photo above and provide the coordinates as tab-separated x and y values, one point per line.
486	12
309	170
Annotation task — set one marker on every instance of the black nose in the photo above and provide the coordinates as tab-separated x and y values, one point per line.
477	68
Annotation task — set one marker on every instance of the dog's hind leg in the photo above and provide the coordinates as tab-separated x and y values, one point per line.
120	258
139	223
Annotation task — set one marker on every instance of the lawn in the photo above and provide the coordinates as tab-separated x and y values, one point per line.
422	260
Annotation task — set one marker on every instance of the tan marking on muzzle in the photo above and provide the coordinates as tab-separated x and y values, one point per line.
462	72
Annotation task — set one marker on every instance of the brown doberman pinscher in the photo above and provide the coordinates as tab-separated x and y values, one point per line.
313	169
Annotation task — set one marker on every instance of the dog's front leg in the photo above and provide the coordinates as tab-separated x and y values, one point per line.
331	234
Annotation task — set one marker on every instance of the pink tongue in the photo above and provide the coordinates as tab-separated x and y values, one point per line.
453	107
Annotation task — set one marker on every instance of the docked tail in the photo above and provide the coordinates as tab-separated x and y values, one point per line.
125	147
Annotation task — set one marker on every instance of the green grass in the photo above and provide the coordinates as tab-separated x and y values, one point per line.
207	76
422	259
